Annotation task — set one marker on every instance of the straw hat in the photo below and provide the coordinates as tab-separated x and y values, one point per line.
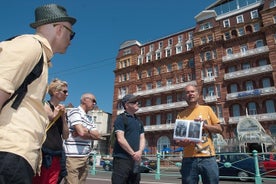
51	13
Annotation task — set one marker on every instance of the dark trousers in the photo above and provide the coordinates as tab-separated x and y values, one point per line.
14	169
123	172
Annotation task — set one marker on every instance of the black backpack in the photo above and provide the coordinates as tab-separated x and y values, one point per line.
21	91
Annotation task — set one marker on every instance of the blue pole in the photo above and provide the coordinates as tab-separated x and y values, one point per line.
258	179
93	171
157	174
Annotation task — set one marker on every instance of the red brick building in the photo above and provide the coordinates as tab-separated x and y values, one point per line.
230	54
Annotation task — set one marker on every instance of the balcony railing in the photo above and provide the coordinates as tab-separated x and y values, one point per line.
259	117
209	79
248	72
209	99
159	127
164	89
247	53
159	107
250	93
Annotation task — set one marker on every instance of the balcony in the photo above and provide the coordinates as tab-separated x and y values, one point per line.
209	79
161	127
248	72
259	117
251	93
164	89
247	53
158	107
209	99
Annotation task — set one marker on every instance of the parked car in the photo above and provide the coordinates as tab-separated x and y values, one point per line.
146	165
269	162
241	166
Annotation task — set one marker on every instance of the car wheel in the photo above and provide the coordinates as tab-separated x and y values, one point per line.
107	168
243	176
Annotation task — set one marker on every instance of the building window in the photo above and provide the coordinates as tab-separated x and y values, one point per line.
236	110
270	106
259	43
272	3
233	88
227	36
139	87
149	86
243	48
226	23
158	119
249	85
168	52
169	99
169	67
180	38
170	42
231	69
160	45
151	48
142	50
149	73
179	65
262	62
139	75
252	110
158	84
241	31
148	102
169	118
205	26
203	40
208	56
254	14
148	57
266	83
256	27
158	100
158	55
239	19
178	49
140	60
229	51
147	120
158	70
169	82
246	66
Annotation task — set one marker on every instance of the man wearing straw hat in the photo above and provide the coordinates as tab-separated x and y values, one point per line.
23	120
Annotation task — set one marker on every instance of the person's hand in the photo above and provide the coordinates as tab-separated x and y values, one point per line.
95	134
185	142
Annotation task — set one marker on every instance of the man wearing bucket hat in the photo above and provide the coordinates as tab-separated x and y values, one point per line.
22	128
129	143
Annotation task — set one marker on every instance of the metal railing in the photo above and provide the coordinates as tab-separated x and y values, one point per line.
173	162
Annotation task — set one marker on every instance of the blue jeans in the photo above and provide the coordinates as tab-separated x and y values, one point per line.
205	166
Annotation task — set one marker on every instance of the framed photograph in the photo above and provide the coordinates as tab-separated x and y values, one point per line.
188	129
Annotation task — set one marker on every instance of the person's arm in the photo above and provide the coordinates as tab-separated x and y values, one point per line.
86	133
216	128
4	96
138	154
65	128
123	142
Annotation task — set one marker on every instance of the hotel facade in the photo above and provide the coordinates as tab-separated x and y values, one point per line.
230	55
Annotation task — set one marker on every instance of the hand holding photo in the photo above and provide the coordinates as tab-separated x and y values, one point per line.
188	129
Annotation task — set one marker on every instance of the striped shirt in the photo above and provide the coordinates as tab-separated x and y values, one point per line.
77	146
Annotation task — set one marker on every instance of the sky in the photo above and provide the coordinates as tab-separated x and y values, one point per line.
101	27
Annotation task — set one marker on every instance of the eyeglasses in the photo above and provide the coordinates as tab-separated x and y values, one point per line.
133	102
70	30
93	100
65	91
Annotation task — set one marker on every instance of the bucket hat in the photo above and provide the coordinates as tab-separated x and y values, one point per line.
51	13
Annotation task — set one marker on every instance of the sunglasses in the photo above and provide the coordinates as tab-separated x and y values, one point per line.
134	102
72	35
65	91
93	100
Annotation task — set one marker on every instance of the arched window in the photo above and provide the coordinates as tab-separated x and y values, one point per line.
162	143
236	110
270	106
251	107
266	82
